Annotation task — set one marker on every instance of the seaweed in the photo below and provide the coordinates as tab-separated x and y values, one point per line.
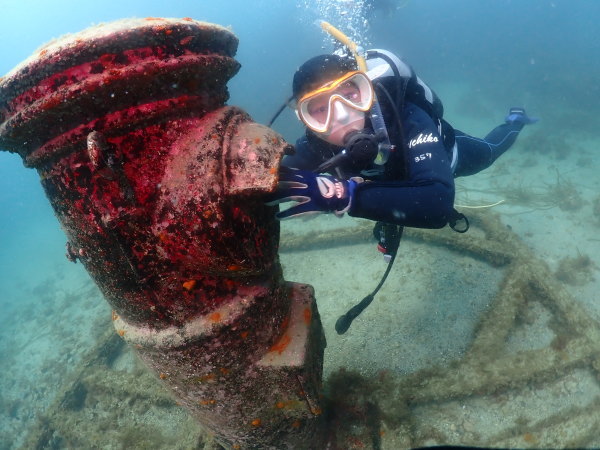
565	194
561	193
575	270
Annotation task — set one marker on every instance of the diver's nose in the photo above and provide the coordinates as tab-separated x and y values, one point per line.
340	113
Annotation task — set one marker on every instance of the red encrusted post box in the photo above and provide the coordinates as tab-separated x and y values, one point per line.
159	188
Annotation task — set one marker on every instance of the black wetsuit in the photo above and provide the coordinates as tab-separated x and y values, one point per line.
416	188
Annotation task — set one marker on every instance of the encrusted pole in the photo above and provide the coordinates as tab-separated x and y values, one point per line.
159	188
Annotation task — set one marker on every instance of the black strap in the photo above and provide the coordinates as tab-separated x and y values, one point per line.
279	111
394	234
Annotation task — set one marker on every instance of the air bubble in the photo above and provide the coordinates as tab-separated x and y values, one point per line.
346	15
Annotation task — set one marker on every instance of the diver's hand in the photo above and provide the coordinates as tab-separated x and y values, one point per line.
314	193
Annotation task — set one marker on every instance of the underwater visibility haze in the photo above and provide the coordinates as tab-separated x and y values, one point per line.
502	323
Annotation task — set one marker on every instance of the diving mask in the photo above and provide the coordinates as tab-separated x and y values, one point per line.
316	108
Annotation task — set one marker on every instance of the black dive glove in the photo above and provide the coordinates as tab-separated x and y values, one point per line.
314	193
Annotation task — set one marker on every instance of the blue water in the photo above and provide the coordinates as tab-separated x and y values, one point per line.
542	54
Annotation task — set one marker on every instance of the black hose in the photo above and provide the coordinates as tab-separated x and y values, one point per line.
344	322
279	111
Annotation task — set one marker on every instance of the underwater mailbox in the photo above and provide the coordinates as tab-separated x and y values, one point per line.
158	187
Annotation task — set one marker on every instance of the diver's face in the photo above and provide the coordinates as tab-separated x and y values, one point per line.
345	120
337	108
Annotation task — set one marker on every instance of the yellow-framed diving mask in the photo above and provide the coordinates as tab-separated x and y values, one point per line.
315	109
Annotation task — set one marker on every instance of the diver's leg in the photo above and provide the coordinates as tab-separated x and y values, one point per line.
476	154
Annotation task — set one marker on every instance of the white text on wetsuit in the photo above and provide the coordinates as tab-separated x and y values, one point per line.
422	139
423	157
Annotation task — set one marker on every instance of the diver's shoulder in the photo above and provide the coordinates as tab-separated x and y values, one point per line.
415	113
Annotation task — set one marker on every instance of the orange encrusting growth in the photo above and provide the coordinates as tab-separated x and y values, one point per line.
282	344
307	316
189	285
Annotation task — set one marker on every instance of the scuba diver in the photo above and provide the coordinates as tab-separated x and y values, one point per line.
381	136
377	147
